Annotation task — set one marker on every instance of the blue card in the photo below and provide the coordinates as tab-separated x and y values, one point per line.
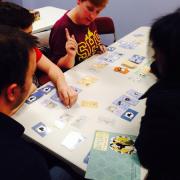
137	59
40	129
35	96
86	159
47	89
129	115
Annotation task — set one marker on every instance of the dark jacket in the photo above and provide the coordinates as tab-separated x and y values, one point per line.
158	142
17	159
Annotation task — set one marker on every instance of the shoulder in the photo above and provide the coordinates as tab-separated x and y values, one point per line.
22	162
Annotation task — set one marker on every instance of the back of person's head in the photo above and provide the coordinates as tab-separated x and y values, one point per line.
98	3
14	15
15	46
165	39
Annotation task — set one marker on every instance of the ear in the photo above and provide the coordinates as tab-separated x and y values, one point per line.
13	92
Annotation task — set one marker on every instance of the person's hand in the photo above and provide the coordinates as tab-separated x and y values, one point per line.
71	44
101	49
67	95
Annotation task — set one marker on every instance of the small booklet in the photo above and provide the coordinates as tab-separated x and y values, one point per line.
113	157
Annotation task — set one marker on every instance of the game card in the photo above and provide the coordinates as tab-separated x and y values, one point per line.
89	104
33	97
79	122
137	59
88	80
124	100
135	94
127	45
112	57
72	140
47	89
48	104
129	115
41	129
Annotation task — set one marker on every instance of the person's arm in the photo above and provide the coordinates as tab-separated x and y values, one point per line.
68	60
66	93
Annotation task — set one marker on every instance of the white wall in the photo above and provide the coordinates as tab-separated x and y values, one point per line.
127	14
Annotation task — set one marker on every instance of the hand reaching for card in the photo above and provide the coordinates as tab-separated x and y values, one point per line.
67	95
71	44
101	49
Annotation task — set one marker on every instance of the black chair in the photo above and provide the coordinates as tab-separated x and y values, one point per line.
105	25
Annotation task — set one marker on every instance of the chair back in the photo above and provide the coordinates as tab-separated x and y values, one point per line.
105	25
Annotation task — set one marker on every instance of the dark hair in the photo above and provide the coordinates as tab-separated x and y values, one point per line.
14	55
14	15
165	39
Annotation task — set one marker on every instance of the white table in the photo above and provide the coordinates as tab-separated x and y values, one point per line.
48	16
109	86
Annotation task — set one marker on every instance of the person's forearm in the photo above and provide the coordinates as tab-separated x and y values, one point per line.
56	75
66	61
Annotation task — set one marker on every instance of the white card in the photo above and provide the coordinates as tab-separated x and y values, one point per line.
72	140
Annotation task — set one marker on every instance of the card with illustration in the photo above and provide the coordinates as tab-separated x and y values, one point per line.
89	104
113	157
129	115
88	80
33	97
124	100
136	59
112	57
127	45
41	129
47	89
135	94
